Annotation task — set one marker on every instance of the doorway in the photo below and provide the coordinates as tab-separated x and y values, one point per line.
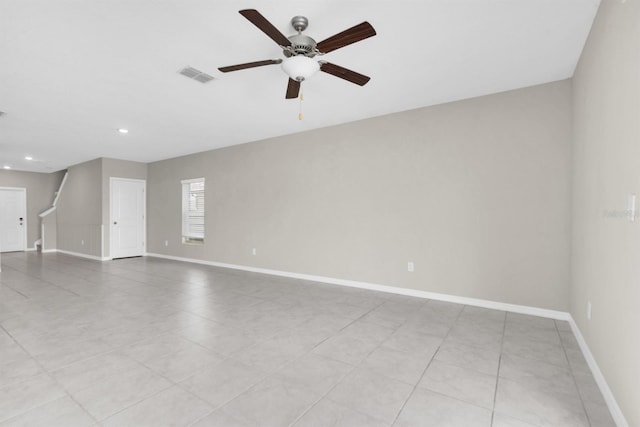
127	220
13	219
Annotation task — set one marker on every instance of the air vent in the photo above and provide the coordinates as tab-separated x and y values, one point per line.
197	75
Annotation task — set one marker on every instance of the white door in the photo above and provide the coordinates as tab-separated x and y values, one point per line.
127	218
13	219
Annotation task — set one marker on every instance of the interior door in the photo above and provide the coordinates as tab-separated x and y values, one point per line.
127	218
13	219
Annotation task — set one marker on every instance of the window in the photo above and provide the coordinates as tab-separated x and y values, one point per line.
193	211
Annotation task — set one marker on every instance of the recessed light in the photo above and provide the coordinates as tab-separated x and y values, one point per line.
28	158
123	130
7	167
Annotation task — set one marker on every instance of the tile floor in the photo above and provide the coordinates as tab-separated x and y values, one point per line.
150	342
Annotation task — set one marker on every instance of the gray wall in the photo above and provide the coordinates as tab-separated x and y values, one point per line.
50	238
41	188
475	193
83	208
79	212
606	246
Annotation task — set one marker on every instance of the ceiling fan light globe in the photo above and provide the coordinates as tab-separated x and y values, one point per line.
300	67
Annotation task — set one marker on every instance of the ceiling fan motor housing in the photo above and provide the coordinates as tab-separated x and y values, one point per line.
301	45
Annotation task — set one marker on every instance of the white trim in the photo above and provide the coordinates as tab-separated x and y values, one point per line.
64	179
93	257
47	212
49	251
29	249
609	398
189	181
514	308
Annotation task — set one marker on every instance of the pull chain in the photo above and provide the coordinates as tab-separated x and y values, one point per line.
301	99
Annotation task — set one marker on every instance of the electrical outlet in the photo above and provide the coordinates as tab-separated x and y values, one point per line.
410	266
589	310
166	243
82	242
253	251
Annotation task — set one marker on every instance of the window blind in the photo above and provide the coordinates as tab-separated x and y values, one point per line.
193	209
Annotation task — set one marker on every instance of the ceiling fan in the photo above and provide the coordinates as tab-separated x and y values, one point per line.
300	49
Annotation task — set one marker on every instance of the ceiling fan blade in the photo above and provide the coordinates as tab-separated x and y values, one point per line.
344	73
293	89
347	37
265	26
249	65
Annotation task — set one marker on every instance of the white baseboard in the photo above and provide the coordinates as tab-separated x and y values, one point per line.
615	410
93	257
30	249
48	251
514	308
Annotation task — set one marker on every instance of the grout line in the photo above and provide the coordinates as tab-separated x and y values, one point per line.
573	376
424	371
280	367
51	377
495	394
172	384
354	367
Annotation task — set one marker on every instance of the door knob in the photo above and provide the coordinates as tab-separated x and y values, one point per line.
115	222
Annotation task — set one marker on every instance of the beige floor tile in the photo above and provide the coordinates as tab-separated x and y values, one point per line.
97	369
555	378
523	346
171	407
399	365
500	420
460	383
18	370
273	402
371	393
314	372
63	412
426	408
219	419
184	362
20	397
119	391
534	404
223	382
468	356
158	346
328	413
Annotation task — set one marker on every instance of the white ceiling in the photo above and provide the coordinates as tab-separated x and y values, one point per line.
74	71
